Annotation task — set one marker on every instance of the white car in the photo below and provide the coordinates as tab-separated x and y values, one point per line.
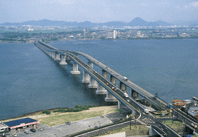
126	95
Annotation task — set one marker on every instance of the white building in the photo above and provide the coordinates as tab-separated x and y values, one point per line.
86	33
184	35
193	111
111	34
3	127
139	34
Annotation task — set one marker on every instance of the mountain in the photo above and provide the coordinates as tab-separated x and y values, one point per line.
140	22
135	22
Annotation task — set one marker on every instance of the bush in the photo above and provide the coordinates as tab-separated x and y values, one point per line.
69	110
77	106
84	107
46	112
77	109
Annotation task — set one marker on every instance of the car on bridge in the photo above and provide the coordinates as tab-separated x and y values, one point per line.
114	88
126	95
125	78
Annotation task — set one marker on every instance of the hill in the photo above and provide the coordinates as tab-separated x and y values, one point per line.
135	22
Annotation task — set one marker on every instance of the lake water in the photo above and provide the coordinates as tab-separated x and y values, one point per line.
31	81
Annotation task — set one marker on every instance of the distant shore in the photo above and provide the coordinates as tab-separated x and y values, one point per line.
48	41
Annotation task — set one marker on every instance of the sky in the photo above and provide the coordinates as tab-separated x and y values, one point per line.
98	11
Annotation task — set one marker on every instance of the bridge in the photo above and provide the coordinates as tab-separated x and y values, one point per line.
115	92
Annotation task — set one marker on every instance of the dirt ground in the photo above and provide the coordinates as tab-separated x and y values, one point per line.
39	115
104	109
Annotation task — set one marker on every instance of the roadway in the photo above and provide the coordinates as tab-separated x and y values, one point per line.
156	101
148	96
119	94
131	103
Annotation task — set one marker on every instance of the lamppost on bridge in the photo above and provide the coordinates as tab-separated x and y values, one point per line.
130	117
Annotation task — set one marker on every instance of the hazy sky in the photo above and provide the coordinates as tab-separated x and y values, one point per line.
98	10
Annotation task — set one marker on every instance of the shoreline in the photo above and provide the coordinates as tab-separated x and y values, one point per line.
59	118
99	39
40	112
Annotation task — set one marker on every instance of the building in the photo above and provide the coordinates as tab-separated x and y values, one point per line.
86	34
184	35
111	34
178	103
3	127
139	34
21	123
187	101
193	111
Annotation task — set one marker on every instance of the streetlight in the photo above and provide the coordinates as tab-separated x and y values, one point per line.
130	121
99	123
99	127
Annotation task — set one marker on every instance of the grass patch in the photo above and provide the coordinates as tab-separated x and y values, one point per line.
174	124
125	129
61	119
58	118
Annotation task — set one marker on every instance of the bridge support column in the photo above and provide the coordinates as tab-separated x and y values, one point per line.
121	105
52	55
110	98
75	69
113	80
92	83
57	56
104	74
152	132
90	64
101	90
63	60
86	77
122	86
134	94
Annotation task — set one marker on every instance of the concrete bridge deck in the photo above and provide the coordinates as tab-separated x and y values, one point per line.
129	102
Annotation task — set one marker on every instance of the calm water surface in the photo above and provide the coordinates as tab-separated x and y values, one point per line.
31	81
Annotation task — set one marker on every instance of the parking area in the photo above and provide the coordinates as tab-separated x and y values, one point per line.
65	129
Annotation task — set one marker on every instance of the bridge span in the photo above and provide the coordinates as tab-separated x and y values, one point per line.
113	91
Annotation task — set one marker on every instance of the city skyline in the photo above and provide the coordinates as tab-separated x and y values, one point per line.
98	11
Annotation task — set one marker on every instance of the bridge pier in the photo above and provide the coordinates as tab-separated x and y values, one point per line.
63	60
86	77
92	83
101	89
75	69
113	80
110	98
52	55
90	64
121	105
123	87
153	132
104	74
57	56
134	94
